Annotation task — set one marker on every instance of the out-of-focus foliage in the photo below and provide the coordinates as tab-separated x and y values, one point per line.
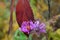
39	7
55	7
40	10
4	20
4	14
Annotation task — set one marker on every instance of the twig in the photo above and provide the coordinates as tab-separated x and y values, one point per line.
11	17
49	8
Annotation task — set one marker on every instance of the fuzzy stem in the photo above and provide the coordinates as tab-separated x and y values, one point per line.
11	16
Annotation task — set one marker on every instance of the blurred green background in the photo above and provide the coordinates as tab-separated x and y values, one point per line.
41	11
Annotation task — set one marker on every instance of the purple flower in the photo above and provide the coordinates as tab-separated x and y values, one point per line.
40	27
27	26
37	23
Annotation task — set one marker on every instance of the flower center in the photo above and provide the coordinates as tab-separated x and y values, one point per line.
28	27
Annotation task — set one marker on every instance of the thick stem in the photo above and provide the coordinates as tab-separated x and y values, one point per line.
11	16
49	8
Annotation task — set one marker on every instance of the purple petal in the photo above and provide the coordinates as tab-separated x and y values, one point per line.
24	23
42	26
37	22
43	31
32	25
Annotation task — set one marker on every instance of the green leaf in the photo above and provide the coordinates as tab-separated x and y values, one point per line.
19	35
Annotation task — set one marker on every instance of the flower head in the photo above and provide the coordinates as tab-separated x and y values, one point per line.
27	26
40	27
